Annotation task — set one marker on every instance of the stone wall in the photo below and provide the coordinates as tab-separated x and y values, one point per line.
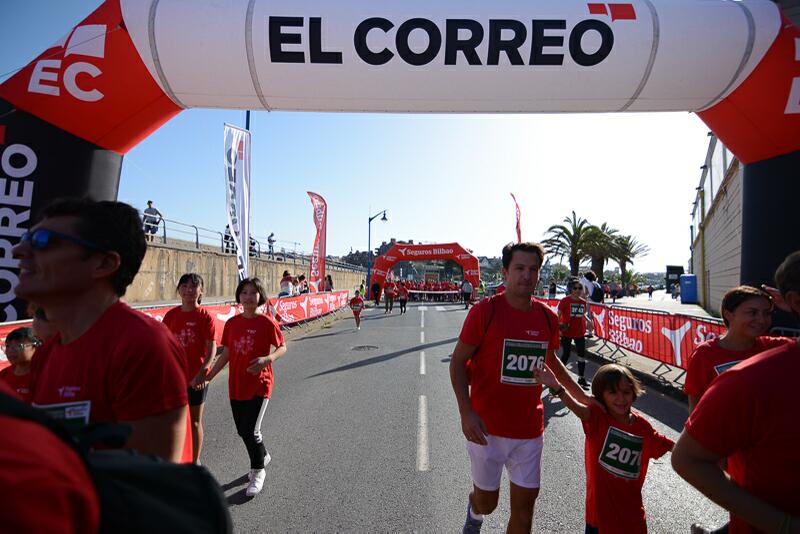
163	265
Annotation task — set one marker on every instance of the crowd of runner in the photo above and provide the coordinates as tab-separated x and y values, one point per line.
89	358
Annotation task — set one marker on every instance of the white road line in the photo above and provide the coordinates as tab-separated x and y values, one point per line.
440	308
423	308
422	319
422	362
423	461
422	337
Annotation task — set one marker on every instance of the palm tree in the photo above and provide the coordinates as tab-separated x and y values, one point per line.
599	244
625	249
569	240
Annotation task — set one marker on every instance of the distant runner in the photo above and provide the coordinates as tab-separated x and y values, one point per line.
402	297
357	305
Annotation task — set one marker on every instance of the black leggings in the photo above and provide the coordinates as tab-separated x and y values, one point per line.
389	303
402	305
580	347
247	416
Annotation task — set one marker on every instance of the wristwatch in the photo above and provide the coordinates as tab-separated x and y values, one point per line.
556	393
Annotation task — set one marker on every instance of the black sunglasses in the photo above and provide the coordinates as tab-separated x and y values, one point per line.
39	239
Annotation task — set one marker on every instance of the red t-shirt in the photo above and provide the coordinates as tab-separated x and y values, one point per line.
503	392
617	456
19	383
193	330
388	289
710	360
749	415
572	311
356	304
402	293
37	467
247	339
126	367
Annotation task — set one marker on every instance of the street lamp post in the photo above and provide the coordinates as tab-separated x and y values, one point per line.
369	250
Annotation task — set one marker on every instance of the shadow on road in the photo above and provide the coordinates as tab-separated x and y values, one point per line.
384	357
554	409
237	482
326	335
238	498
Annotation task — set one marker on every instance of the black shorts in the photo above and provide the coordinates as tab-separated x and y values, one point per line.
197	397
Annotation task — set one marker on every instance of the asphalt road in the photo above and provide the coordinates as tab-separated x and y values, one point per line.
365	437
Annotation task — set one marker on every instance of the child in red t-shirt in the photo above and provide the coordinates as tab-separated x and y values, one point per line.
572	323
194	329
247	342
357	305
618	447
402	297
19	348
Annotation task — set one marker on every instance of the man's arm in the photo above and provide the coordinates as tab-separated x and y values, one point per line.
471	425
161	434
700	468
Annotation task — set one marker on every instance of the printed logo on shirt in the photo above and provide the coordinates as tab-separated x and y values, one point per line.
186	337
69	392
621	454
520	358
721	368
532	333
245	345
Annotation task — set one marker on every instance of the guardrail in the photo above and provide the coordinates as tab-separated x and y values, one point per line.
173	232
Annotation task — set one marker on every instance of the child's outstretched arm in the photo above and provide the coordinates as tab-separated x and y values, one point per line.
546	377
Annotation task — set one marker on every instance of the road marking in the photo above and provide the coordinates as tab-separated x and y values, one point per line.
422	337
422	362
440	308
422	319
423	308
423	461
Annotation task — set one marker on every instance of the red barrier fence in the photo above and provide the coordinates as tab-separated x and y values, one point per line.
664	337
288	310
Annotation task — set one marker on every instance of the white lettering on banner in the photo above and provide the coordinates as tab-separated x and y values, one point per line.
17	162
464	256
676	338
600	322
793	103
619	326
390	258
304	305
88	40
702	334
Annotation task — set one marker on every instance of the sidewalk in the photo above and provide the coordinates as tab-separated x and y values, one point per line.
662	302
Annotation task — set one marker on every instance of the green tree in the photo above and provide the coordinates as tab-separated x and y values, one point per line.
599	242
626	248
569	240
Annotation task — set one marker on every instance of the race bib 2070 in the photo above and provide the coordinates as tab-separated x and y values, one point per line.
520	358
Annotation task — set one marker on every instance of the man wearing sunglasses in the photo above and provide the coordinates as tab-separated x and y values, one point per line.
108	362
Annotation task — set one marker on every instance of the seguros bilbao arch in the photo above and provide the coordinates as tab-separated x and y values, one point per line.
67	119
405	252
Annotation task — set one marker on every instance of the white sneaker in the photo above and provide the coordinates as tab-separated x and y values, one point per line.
256	482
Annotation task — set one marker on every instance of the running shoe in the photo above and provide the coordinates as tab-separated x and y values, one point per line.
256	482
471	526
583	383
267	460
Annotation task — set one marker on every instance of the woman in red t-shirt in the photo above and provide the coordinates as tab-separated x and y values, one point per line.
19	348
572	323
247	342
618	447
402	297
747	313
194	329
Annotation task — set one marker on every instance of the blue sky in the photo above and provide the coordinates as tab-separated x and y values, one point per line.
442	178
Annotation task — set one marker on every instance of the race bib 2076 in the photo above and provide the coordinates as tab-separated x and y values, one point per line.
520	358
622	454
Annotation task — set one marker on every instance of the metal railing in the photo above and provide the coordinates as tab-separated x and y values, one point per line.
178	233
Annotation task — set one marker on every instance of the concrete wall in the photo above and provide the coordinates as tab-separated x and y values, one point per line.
723	242
163	265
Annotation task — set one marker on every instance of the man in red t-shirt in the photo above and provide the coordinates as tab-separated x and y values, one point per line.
388	293
572	311
502	417
108	362
748	416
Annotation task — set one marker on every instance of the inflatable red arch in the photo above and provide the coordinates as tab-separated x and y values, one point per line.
405	252
67	119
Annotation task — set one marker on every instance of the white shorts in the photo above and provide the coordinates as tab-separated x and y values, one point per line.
521	457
